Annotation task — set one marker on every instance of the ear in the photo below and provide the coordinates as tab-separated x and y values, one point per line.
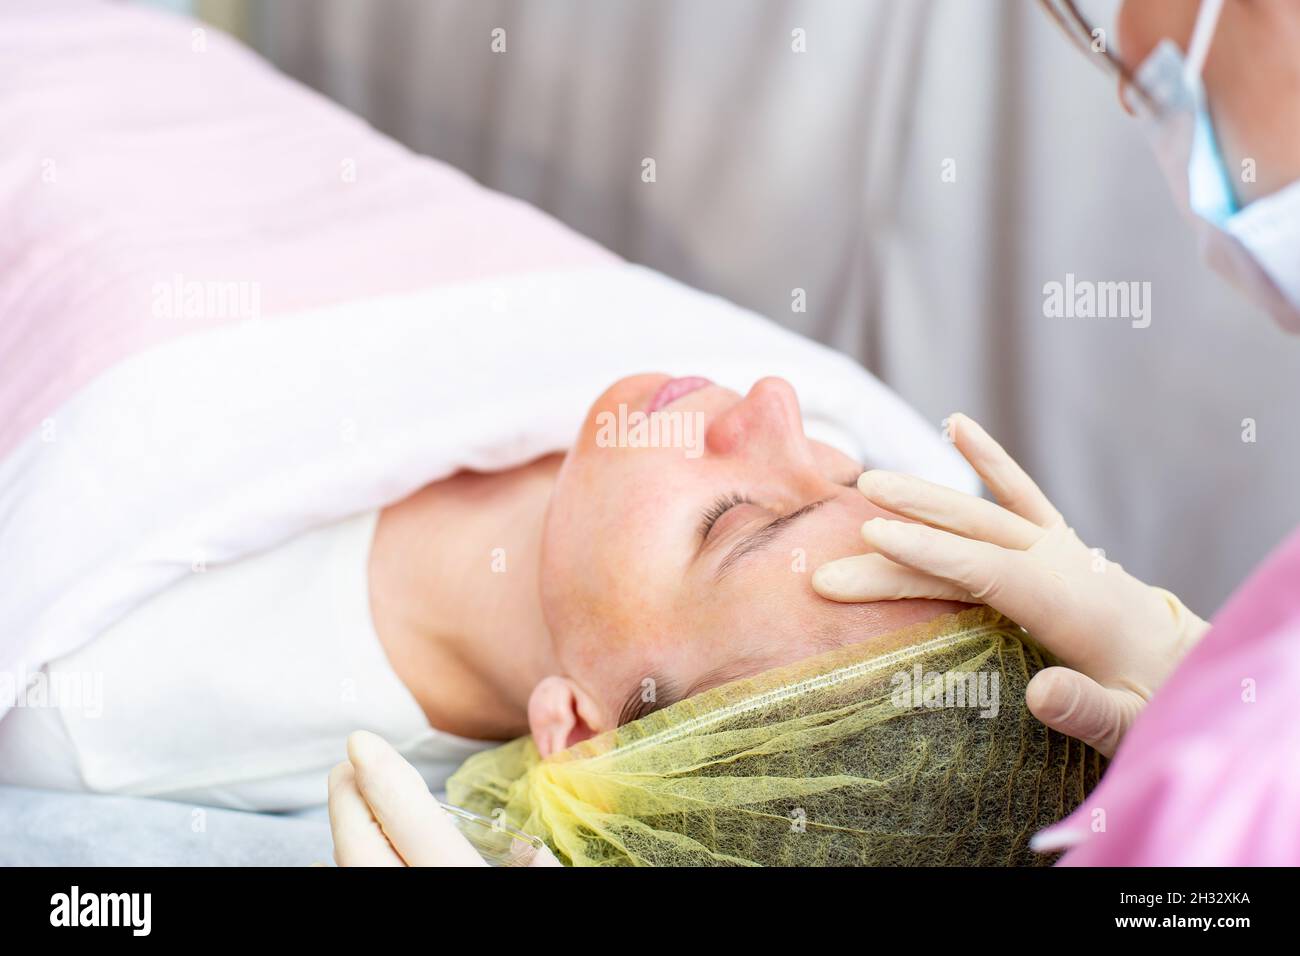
560	714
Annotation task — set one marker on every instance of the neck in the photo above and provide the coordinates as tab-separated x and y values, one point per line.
455	597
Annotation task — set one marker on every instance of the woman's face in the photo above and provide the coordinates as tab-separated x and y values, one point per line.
671	569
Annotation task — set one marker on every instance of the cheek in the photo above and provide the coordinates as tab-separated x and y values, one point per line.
637	492
604	569
832	462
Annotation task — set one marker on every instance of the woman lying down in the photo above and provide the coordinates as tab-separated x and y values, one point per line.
645	615
652	740
358	505
690	699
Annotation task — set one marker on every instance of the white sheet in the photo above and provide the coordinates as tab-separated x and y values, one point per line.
40	828
228	442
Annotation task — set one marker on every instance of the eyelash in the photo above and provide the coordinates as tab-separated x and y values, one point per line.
719	508
713	514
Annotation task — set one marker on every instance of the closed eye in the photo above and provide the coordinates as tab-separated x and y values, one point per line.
713	514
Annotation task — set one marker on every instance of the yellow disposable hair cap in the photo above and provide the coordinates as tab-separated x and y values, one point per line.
910	749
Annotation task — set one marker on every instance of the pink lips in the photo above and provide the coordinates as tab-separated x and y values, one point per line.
674	389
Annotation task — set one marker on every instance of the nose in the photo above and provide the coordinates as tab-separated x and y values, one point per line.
766	423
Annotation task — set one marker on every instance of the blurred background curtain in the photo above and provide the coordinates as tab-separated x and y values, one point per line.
823	171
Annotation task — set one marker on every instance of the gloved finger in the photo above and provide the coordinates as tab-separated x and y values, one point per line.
417	827
358	839
1079	707
1012	488
873	577
950	510
1007	580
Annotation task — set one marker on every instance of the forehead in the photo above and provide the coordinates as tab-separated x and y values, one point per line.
755	621
715	657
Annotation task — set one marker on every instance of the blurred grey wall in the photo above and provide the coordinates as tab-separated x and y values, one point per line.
823	170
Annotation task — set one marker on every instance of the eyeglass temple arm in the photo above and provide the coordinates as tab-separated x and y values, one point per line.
1077	23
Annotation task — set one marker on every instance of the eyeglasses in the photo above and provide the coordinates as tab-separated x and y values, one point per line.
1066	15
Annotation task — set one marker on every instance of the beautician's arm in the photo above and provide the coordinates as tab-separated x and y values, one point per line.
1119	638
382	814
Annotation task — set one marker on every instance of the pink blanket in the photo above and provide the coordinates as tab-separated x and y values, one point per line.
143	158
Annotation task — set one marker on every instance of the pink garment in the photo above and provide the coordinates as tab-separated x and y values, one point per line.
140	150
1210	774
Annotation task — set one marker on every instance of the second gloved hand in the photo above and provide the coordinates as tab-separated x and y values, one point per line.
1119	638
382	814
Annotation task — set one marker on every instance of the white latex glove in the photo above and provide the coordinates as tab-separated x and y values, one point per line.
382	814
1119	637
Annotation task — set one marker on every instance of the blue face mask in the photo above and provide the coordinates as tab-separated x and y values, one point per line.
1257	248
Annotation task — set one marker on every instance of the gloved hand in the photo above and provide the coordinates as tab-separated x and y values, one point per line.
1119	638
382	814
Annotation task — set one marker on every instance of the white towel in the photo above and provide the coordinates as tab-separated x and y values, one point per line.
230	441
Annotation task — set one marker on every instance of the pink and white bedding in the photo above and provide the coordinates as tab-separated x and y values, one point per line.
391	321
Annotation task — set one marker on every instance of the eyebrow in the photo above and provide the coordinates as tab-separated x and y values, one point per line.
763	537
